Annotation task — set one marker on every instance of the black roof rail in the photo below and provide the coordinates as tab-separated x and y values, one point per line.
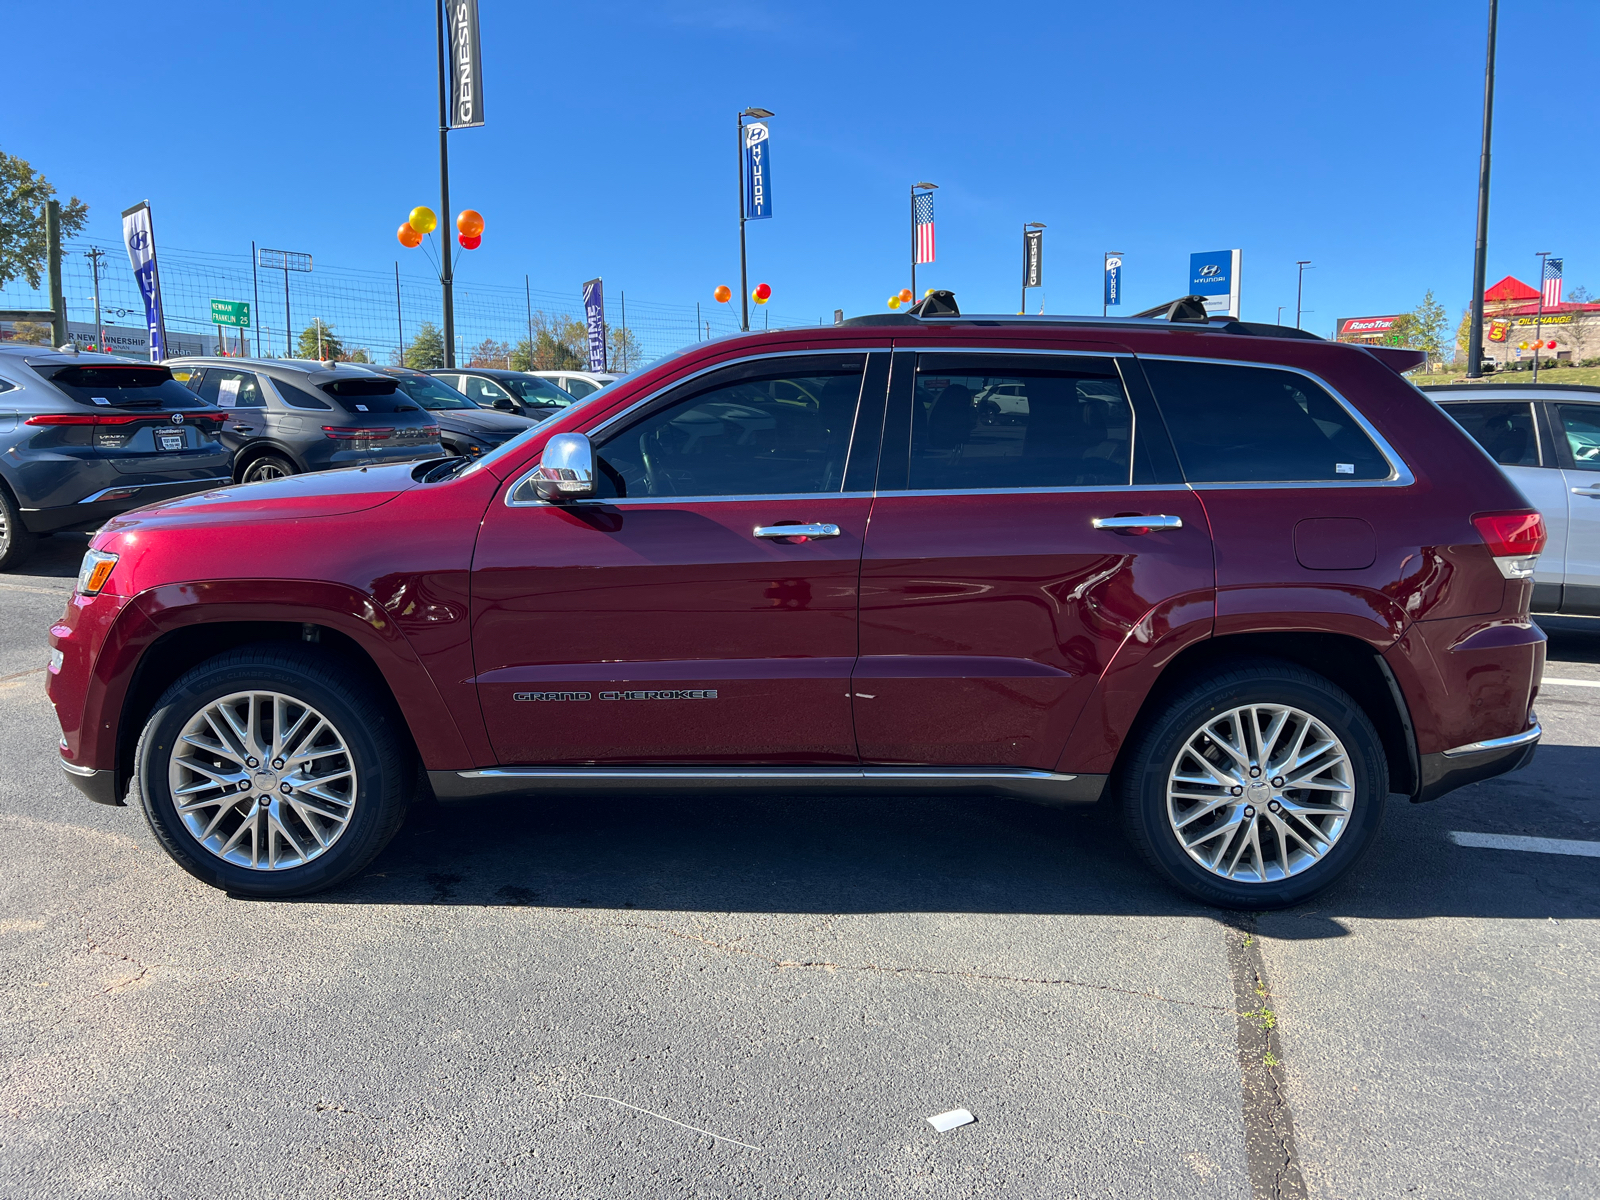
1184	308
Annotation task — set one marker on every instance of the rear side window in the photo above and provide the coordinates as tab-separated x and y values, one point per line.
1504	430
298	397
119	387
1007	422
232	389
1581	424
1233	424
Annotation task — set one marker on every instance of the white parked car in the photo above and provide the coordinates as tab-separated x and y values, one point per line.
578	383
1546	438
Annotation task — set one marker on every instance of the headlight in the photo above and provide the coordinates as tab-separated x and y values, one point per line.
94	573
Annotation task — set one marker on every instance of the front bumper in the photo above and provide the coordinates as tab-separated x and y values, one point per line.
99	786
1477	761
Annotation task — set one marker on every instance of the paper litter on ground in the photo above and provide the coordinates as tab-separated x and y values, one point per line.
947	1121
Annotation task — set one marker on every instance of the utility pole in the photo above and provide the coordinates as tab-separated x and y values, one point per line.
1299	288
58	302
446	277
399	316
527	294
255	296
94	255
1480	261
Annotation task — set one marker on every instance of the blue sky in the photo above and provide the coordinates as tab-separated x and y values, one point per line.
1345	133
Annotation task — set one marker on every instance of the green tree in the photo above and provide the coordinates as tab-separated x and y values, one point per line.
358	354
426	350
560	343
31	332
624	350
23	196
327	346
1463	332
1580	295
490	353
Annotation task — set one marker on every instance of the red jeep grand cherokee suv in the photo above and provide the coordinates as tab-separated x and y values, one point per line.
1242	582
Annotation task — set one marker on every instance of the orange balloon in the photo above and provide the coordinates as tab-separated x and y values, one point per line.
723	293
409	237
905	296
470	222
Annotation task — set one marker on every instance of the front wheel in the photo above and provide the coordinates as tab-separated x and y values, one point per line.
16	543
267	772
1256	788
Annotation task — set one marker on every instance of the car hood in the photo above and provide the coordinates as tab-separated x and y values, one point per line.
484	421
318	494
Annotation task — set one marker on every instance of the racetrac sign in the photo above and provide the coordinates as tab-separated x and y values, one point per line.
1214	274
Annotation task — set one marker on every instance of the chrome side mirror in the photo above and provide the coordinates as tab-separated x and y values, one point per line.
566	469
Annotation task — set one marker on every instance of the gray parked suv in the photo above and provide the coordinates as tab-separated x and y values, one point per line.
286	416
84	437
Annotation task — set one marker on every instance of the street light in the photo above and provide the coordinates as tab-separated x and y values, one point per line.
1480	258
915	187
1299	288
758	114
1027	227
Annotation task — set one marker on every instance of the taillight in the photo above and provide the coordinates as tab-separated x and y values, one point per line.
344	431
1513	538
118	418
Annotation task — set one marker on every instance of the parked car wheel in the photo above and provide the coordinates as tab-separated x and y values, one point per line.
16	543
267	466
267	772
1256	788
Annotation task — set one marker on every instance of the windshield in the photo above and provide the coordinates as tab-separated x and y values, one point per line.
530	389
123	387
431	393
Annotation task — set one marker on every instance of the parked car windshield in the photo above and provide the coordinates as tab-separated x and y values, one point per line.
123	387
431	393
530	389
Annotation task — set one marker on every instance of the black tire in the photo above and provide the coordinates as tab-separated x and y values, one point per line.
16	542
267	466
376	745
1149	763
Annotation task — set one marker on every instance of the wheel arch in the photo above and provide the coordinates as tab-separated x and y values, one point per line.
247	454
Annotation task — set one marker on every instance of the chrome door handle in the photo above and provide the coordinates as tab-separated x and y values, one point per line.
1586	491
1154	521
797	531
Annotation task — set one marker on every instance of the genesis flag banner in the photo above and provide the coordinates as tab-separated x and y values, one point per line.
138	234
594	315
466	64
1113	280
757	171
1033	258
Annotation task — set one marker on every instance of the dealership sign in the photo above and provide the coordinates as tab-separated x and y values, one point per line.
757	171
1214	274
1366	327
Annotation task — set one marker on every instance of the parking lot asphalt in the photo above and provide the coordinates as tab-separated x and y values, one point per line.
741	997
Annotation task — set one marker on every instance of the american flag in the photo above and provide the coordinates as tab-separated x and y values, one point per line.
922	213
1552	283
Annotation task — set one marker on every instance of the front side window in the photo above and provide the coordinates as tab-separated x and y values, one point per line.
580	388
540	393
482	391
776	428
1236	424
1581	424
231	389
1504	430
1001	421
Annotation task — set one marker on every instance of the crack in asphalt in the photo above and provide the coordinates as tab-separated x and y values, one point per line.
95	947
1272	1161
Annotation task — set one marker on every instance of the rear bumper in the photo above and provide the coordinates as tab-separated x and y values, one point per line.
92	511
1475	762
99	786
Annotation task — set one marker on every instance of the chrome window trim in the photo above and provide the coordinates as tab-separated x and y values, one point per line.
667	501
1399	473
594	433
1074	489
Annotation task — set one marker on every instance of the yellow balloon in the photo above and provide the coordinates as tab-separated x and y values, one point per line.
894	301
929	292
422	219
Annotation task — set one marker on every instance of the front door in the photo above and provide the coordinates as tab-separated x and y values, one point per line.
673	620
1579	426
990	601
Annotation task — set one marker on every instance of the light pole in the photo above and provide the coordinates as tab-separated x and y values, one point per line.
915	187
1027	264
1538	321
759	114
446	273
1480	260
1299	288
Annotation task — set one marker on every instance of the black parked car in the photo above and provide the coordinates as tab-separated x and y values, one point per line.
465	428
285	416
509	391
84	437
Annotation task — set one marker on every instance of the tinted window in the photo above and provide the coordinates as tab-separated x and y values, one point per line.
1581	424
231	389
136	387
375	395
432	393
1504	430
1007	422
482	391
1257	425
299	397
769	432
530	389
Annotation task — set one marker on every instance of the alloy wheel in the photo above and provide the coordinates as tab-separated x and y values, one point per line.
262	780
1260	793
263	469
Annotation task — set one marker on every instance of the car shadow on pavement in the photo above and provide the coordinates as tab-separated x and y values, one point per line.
720	853
1572	639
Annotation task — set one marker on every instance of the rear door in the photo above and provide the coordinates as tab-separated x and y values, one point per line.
240	397
990	601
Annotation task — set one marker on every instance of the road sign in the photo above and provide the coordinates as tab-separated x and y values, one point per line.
231	312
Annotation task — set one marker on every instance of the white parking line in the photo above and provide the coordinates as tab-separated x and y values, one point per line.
1534	845
1572	682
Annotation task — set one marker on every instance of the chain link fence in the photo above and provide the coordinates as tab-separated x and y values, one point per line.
375	311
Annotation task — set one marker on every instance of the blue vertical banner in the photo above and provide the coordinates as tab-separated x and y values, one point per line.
757	171
139	234
1113	279
594	316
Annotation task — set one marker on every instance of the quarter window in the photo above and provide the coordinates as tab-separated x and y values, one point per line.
231	389
1581	423
1233	424
1504	430
775	428
1000	421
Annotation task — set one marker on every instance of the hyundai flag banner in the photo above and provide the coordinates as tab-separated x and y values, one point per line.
466	64
1033	258
140	237
594	315
757	171
1215	275
1113	280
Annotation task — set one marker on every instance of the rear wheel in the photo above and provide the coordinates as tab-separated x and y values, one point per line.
16	543
1256	788
267	466
267	772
